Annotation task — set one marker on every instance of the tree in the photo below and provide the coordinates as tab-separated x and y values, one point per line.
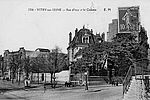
15	67
55	62
124	51
27	65
2	65
49	62
38	65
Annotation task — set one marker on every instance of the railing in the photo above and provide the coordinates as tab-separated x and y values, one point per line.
127	80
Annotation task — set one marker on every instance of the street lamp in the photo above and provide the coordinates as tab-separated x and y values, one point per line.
86	79
86	76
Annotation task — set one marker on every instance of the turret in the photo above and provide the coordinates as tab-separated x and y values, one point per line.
83	26
76	31
70	37
91	31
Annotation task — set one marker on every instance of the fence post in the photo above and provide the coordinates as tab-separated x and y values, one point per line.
147	83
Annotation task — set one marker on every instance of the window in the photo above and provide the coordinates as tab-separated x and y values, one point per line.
85	39
89	39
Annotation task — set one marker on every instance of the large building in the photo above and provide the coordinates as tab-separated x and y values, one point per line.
83	38
112	30
15	57
149	59
1	65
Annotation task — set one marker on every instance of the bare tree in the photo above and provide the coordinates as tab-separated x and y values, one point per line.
37	65
15	67
27	66
2	65
55	61
50	62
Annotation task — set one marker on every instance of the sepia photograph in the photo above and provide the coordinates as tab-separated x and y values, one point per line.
74	50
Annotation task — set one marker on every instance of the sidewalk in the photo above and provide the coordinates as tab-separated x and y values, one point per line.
9	86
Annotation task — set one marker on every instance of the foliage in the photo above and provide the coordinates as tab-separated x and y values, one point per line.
37	64
49	62
79	66
122	52
15	64
56	60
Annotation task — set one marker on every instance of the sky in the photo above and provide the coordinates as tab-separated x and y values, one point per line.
23	24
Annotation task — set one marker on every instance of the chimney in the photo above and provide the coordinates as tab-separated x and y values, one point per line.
76	31
70	37
83	26
91	31
103	36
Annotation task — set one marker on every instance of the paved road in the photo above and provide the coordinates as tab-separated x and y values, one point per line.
105	92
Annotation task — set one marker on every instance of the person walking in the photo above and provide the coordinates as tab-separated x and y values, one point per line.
44	87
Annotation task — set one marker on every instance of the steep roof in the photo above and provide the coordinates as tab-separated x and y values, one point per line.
79	34
77	39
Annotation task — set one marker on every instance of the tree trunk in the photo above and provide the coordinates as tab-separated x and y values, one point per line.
19	78
51	79
31	77
38	77
45	77
13	76
54	80
2	69
81	81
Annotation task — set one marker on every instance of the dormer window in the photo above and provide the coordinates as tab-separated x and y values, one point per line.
85	39
89	39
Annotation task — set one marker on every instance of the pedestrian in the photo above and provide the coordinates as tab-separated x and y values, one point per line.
116	82
25	83
66	84
44	87
113	82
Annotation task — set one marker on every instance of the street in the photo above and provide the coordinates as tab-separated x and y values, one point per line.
98	92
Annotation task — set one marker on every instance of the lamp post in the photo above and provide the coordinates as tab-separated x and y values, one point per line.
86	79
86	76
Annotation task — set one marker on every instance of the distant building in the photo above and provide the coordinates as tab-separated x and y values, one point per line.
82	39
1	65
42	50
149	59
113	30
18	55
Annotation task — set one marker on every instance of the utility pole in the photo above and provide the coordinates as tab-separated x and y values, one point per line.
86	77
86	80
